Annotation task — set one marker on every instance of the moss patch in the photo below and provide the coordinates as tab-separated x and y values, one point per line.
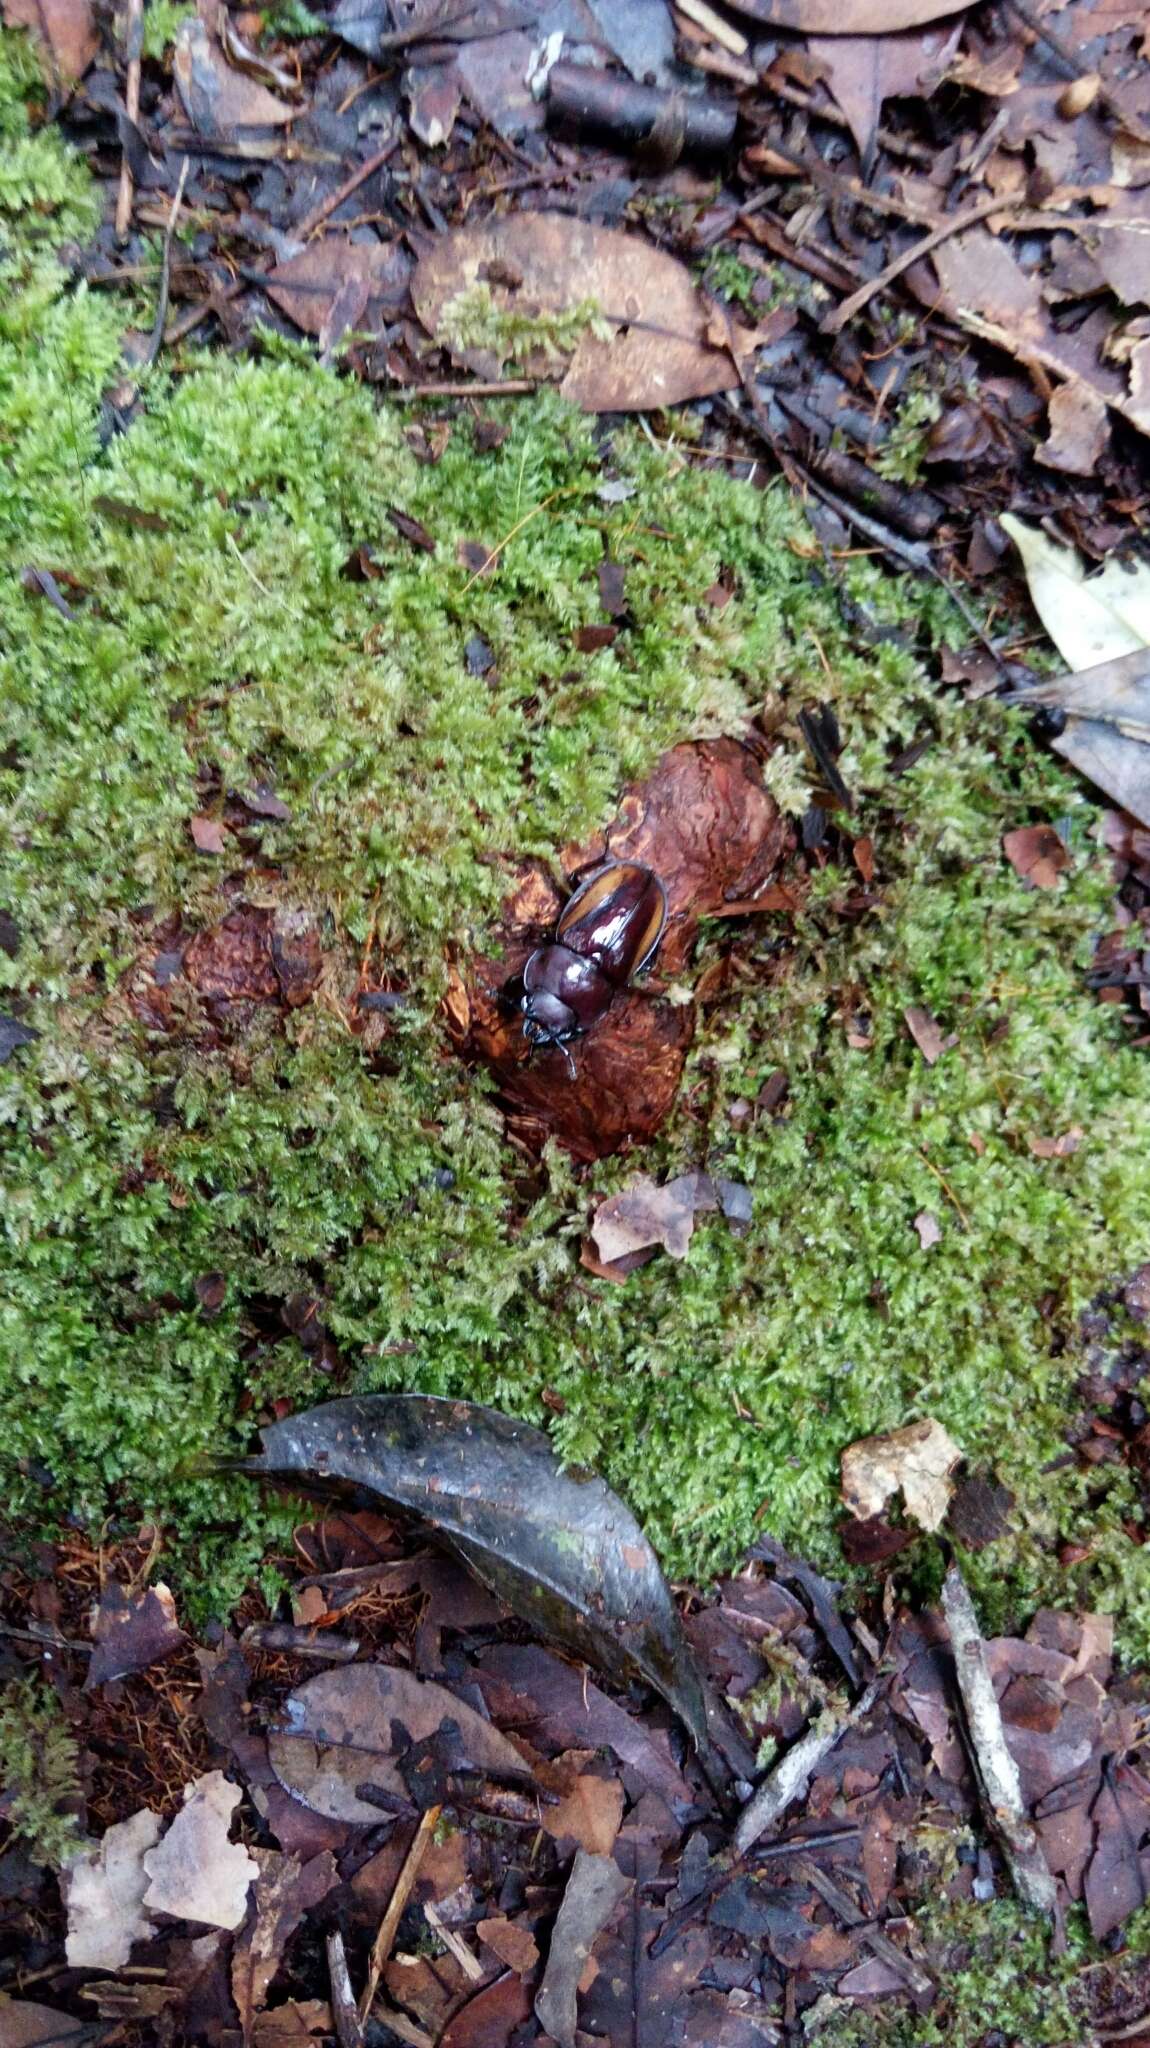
227	647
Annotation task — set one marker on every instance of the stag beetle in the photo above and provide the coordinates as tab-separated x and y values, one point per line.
607	933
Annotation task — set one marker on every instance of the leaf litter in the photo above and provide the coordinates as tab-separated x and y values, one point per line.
561	1853
1034	291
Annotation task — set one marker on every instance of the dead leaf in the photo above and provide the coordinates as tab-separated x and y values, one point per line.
1079	430
1118	1877
647	1214
658	354
65	29
308	285
412	530
594	1888
514	1945
916	1461
195	1872
286	1890
208	835
926	1033
1037	854
1057	1148
131	1631
491	2018
831	18
293	2024
928	1229
590	1815
218	100
1091	619
864	70
27	2024
104	1893
338	1732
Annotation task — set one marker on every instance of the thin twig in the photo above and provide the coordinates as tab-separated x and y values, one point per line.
997	1771
467	1959
381	1947
796	1767
135	44
359	176
510	387
957	224
348	2029
571	491
156	338
916	1980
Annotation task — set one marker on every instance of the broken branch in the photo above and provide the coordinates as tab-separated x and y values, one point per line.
956	225
997	1770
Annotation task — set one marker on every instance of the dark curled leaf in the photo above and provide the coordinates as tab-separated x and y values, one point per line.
558	1546
12	1035
821	1594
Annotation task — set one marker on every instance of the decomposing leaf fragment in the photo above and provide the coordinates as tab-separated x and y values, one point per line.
25	2023
929	1231
1037	854
65	29
916	1461
286	1890
1101	626
207	835
515	1946
132	1629
542	265
338	1731
646	1214
594	1888
557	1545
104	1892
218	99
196	1873
926	1032
862	18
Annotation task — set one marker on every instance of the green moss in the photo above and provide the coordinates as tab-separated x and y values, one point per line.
39	1771
228	647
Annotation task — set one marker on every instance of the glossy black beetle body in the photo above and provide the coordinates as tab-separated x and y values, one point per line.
606	934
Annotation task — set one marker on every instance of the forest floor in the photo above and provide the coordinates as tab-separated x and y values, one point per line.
382	540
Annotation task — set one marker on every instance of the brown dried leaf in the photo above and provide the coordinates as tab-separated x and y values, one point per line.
24	2023
1079	430
293	2025
926	1033
515	1946
490	2019
1057	1148
208	835
195	1872
131	1631
647	1214
337	1733
217	99
1037	854
863	70
1118	1877
306	287
590	1815
658	355
66	29
915	1461
861	18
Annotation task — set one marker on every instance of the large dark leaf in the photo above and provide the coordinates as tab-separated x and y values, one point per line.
558	1546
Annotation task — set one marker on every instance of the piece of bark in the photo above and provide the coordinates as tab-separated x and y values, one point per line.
707	826
997	1770
584	101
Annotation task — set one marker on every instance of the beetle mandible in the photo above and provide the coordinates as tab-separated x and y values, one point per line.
607	933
